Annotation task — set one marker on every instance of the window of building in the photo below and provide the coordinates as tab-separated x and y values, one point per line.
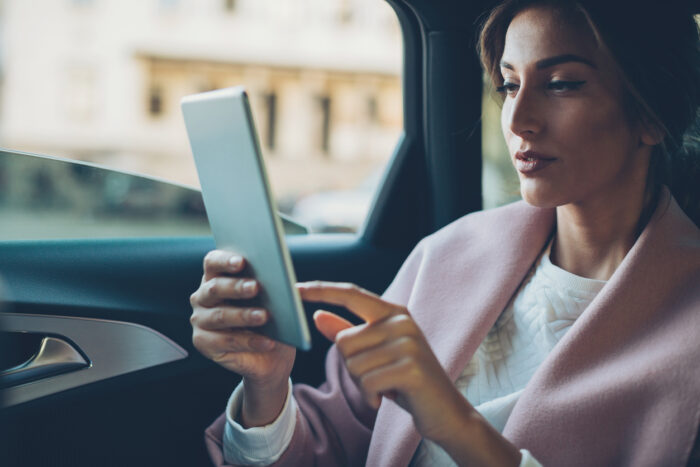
346	12
271	107
229	5
155	101
372	109
324	106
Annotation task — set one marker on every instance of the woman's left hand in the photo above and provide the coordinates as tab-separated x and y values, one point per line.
389	356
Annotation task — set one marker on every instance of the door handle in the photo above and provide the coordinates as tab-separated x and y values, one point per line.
55	356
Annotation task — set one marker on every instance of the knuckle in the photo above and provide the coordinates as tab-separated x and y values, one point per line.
218	316
353	365
235	342
403	319
346	335
343	342
368	383
407	346
194	299
398	321
409	368
194	319
215	287
406	324
245	315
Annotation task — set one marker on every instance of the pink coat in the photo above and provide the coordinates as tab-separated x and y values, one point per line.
621	388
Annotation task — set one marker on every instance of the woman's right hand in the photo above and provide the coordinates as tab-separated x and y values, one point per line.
223	328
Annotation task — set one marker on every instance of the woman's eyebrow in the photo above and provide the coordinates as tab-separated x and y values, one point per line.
551	61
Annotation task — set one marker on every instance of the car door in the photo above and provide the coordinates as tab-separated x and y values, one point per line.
126	386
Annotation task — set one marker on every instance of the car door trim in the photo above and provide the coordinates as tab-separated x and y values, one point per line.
54	356
113	348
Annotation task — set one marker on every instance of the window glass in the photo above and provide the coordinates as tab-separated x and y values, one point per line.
103	84
499	179
44	198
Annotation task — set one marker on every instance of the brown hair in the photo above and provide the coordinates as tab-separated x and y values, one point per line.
656	49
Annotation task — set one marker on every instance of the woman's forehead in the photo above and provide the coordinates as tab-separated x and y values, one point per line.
539	33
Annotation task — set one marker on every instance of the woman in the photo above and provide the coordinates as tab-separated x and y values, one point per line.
568	327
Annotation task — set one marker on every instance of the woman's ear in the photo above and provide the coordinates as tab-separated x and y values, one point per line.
651	133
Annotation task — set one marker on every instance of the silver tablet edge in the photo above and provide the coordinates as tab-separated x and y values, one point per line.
279	231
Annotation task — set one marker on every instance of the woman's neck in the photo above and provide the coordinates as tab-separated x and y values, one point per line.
592	239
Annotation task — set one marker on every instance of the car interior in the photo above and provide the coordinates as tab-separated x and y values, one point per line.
121	305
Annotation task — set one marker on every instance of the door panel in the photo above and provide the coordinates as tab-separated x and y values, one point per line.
77	351
153	415
156	414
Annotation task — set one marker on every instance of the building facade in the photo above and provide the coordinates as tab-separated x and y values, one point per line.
101	80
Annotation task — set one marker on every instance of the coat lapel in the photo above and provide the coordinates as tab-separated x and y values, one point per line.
628	356
468	273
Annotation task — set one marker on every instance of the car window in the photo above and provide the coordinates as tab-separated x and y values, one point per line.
499	179
44	198
101	80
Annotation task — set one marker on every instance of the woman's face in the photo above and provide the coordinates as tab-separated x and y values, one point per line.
562	116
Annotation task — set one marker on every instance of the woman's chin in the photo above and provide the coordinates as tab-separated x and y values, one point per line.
539	196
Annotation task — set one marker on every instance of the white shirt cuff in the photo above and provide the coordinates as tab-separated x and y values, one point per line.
258	446
527	460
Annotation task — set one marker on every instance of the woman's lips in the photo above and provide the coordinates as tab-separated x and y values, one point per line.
529	162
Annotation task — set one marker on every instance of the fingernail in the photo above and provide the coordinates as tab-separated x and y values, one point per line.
235	261
249	286
257	316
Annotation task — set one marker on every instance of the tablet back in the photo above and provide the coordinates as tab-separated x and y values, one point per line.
240	206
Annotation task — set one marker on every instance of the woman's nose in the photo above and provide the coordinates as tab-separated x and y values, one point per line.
524	114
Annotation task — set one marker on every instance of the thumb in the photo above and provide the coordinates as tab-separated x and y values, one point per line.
330	324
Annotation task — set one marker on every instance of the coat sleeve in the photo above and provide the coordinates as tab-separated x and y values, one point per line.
333	422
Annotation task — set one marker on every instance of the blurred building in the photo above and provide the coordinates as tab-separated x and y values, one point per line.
101	80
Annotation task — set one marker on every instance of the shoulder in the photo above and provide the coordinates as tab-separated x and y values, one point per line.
497	224
504	236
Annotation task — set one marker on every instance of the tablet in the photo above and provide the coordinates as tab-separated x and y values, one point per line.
240	207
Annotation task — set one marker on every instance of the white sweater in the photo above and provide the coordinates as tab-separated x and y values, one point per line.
540	313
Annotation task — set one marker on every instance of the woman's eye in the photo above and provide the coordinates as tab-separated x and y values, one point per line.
565	85
507	88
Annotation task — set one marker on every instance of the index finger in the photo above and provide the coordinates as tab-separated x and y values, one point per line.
360	302
218	262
